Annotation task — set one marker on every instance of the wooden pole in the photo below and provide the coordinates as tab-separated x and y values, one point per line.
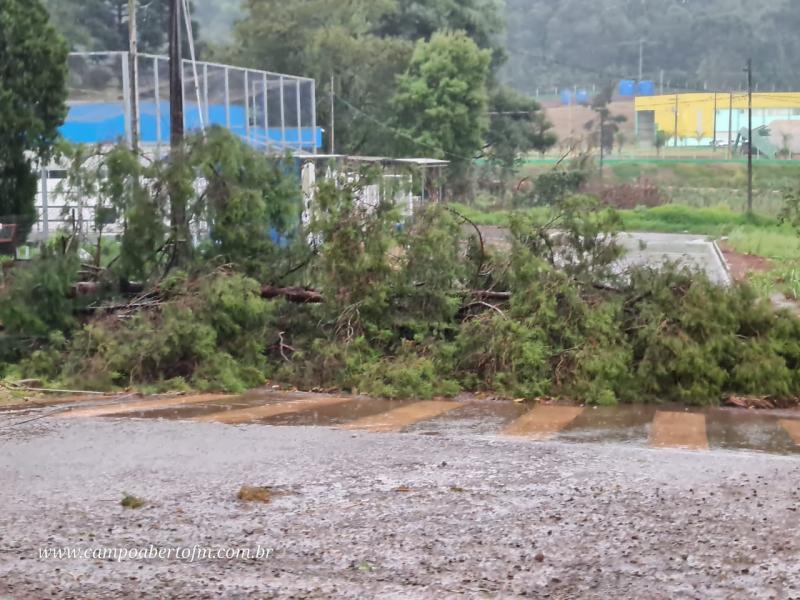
179	225
749	135
714	139
675	110
133	65
730	125
175	76
333	117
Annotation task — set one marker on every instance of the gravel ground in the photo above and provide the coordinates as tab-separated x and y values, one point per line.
360	515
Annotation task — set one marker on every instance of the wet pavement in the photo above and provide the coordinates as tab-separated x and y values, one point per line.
658	426
374	499
696	252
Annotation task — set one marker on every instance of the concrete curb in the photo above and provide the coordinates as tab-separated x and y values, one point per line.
723	263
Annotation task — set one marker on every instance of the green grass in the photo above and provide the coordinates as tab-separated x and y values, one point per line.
777	243
767	174
678	218
670	218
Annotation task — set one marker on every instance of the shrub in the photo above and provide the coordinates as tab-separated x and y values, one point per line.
211	332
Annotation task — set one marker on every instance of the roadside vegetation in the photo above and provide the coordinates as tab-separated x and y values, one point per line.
375	303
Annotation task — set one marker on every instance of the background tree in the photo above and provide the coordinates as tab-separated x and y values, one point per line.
441	99
100	25
660	141
32	102
517	127
481	20
605	126
364	44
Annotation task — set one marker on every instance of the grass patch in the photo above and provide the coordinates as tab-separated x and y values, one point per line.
670	218
677	218
783	279
776	242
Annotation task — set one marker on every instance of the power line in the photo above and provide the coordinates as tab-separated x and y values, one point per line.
398	132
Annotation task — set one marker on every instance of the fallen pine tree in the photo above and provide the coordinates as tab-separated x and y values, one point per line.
410	311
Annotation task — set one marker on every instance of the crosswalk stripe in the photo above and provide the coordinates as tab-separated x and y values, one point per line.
792	427
400	418
143	405
679	430
245	415
543	421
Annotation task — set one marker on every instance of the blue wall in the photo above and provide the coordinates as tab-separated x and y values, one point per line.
105	123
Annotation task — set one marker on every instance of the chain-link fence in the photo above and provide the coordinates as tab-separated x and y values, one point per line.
270	111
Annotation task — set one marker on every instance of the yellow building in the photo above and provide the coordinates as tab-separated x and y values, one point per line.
706	118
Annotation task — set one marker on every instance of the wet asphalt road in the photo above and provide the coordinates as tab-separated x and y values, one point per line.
696	252
432	512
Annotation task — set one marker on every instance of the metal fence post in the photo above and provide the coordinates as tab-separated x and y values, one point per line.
126	96
157	94
227	100
266	113
247	105
207	110
298	93
314	114
45	218
283	118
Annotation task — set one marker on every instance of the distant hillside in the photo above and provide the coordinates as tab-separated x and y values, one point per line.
698	44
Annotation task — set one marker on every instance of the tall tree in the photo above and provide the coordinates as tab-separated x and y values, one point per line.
481	20
605	126
101	25
33	93
441	100
517	126
324	38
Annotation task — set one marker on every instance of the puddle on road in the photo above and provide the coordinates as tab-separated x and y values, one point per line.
741	429
613	424
143	406
403	417
638	425
477	418
338	414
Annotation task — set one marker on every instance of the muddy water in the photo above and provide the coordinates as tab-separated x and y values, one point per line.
659	426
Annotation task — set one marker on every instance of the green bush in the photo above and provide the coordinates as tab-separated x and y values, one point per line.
212	333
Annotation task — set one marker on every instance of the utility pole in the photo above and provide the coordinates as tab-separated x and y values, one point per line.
571	104
675	110
730	125
175	76
602	145
179	224
133	65
714	139
641	57
749	70
333	117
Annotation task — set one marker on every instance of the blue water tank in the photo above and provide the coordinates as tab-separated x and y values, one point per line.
582	97
627	88
565	96
647	88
